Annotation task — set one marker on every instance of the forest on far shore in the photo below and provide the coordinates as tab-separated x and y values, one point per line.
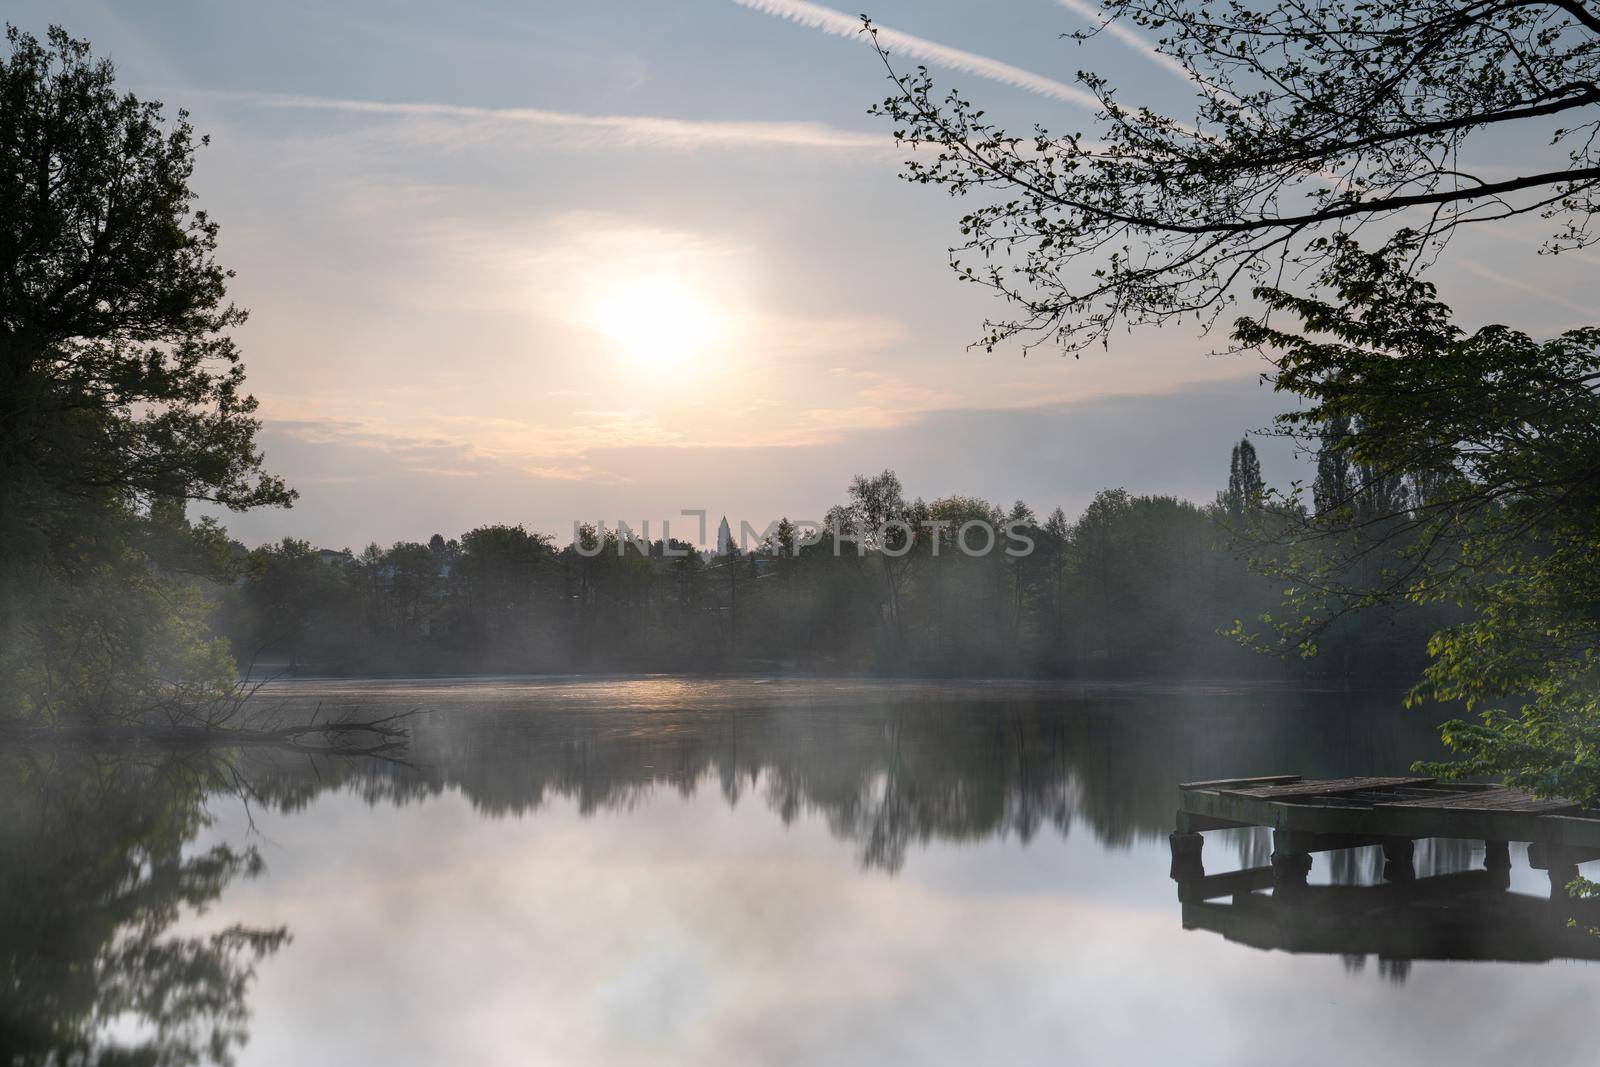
1135	586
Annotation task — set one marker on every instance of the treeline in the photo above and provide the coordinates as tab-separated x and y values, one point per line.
1136	586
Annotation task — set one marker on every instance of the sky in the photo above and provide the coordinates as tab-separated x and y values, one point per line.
546	263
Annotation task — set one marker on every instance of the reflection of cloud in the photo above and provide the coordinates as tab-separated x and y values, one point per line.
673	925
837	23
627	130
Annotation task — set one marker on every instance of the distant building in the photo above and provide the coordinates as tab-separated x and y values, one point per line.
724	538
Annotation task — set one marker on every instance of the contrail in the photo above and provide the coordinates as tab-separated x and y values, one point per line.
1127	37
632	129
839	24
1532	290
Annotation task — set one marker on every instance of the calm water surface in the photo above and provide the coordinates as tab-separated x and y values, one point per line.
664	871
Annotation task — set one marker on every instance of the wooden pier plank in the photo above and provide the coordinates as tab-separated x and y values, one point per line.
1506	800
1402	807
1237	783
1582	831
1327	787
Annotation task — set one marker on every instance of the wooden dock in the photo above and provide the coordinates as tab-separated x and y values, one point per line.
1373	810
1463	915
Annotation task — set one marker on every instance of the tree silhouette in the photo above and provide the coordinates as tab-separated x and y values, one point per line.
1246	487
1310	120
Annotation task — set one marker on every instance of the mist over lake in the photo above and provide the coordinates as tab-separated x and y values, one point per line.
676	870
743	531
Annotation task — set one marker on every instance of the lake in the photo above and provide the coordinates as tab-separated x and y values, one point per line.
691	871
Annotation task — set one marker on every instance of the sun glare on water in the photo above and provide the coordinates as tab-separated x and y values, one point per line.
659	323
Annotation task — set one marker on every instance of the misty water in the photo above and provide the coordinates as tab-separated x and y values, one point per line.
652	870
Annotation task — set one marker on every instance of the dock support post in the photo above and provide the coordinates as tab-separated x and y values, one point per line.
1398	863
1186	850
1563	868
1291	861
1289	871
1497	863
1559	861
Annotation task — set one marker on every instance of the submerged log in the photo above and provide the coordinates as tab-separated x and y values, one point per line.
350	737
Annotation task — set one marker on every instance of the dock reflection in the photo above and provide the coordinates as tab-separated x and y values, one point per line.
1379	906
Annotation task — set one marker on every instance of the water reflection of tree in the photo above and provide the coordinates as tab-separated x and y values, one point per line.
1395	970
96	870
98	863
890	776
1432	856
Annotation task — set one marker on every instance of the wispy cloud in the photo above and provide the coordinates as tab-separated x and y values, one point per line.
415	435
1541	292
402	452
839	24
643	130
1126	36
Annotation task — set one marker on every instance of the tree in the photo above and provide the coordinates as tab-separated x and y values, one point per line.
1100	553
1506	428
1246	487
500	571
782	540
410	574
289	601
1056	534
1335	484
878	519
1311	119
1019	515
1453	468
121	396
116	372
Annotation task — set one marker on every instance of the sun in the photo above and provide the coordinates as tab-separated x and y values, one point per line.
658	322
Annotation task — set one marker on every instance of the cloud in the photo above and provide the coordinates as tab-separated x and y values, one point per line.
553	264
1126	36
1541	292
479	444
360	482
630	130
411	454
837	23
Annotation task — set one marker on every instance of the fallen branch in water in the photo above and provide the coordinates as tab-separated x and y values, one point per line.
351	737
